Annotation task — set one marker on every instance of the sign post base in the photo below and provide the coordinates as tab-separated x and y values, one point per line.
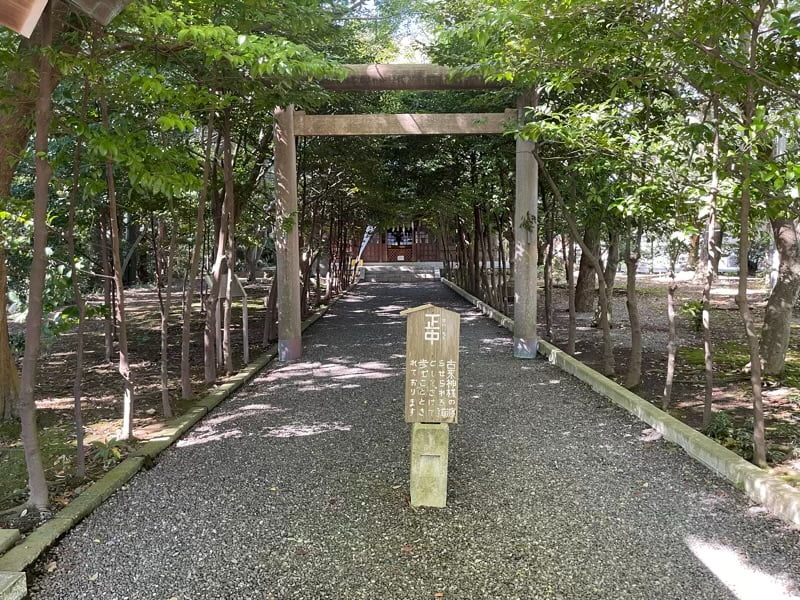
429	453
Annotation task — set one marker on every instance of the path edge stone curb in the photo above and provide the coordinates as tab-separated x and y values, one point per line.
777	496
12	586
14	562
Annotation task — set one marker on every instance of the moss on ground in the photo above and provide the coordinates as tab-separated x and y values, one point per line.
733	356
58	455
783	433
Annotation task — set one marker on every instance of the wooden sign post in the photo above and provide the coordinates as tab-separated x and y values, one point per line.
431	398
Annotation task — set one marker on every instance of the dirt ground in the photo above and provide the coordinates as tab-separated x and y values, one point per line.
103	386
102	396
732	393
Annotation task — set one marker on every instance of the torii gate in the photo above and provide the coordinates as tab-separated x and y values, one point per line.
290	124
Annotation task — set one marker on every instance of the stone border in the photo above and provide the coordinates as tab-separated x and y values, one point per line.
18	558
12	586
777	496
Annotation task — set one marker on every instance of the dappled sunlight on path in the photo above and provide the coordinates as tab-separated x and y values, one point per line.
733	569
298	487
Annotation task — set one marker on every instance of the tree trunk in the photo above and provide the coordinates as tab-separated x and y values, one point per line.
759	440
633	253
710	250
80	304
569	267
194	264
694	248
212	300
672	344
164	280
126	432
711	254
16	120
548	273
271	315
130	264
9	377
608	347
584	289
778	316
748	113
609	275
503	267
37	484
252	255
108	325
230	247
476	259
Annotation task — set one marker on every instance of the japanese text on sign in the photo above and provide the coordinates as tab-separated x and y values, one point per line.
432	365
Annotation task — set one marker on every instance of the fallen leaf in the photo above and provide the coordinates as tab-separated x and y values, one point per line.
649	435
51	566
94	577
407	549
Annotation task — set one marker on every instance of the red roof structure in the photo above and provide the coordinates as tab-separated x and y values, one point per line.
23	15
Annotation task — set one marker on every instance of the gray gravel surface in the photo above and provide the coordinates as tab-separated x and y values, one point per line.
297	487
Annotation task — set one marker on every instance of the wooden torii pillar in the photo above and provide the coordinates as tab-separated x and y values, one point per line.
288	125
287	242
526	234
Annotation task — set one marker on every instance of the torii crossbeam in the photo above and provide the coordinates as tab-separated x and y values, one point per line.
290	124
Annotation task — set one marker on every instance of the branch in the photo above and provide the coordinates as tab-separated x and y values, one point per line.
732	62
132	249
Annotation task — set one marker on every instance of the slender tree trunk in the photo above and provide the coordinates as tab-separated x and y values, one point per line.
16	121
503	265
108	319
759	439
163	274
776	331
126	432
584	289
711	241
633	253
609	275
329	276
194	264
672	344
548	273
170	265
748	113
130	262
476	258
9	377
711	255
231	245
37	484
271	314
212	300
317	281
608	347
569	274
80	304
694	248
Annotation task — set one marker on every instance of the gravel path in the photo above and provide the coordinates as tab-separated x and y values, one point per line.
297	488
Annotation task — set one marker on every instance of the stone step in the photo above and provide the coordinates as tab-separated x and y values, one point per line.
400	272
8	539
12	586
